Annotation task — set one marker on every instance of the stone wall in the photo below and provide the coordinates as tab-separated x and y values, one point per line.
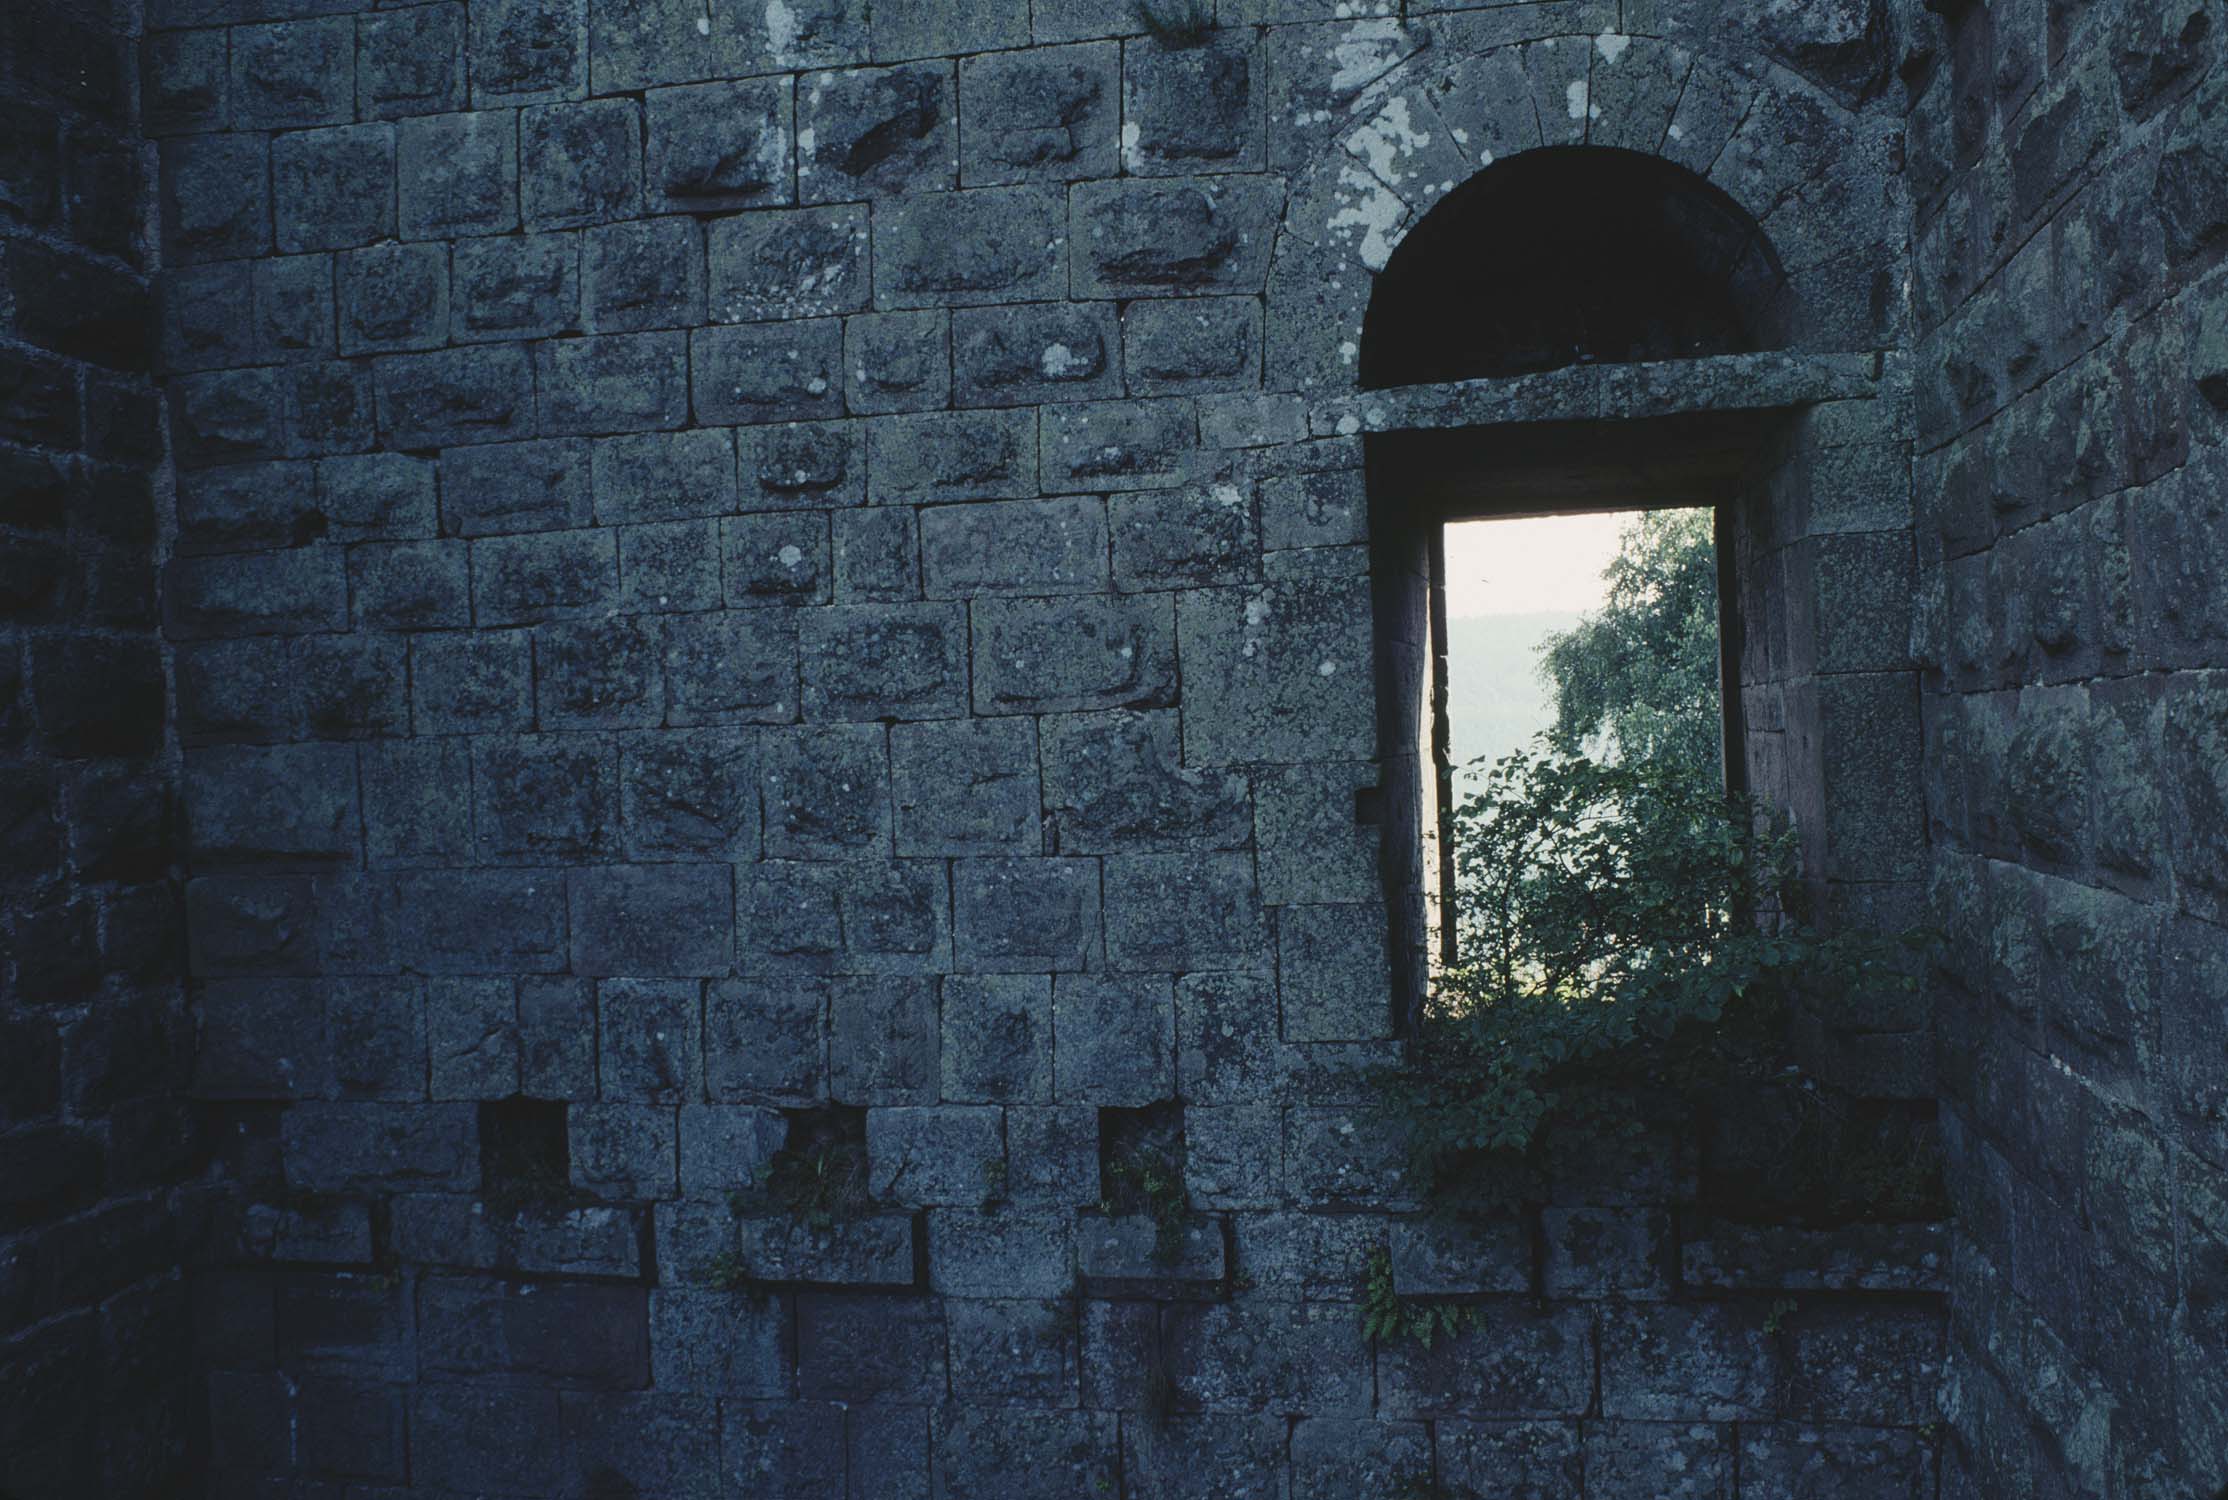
752	585
2070	165
94	1040
754	588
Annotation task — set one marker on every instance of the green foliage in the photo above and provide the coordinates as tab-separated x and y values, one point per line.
1638	679
1776	1318
726	1272
1623	931
820	1186
994	1181
1176	23
1144	1180
1387	1317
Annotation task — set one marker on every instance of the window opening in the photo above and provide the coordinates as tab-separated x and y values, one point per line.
1597	633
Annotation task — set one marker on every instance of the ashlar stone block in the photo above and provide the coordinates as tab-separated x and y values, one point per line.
1184	912
1114	1038
997	1046
731	667
893	917
765	1041
939	456
1062	655
645	274
1187	537
1024	915
1113	784
876	133
776	559
1029	547
897	361
1047	114
788	263
1193	109
1022	354
881	661
719	146
513	288
771	372
580	163
882	1041
647	1032
1278	673
690	794
800	465
1175	236
827	792
974	247
967	787
1332	968
544	799
457	174
938	1155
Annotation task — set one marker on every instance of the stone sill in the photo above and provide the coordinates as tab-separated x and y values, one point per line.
1718	383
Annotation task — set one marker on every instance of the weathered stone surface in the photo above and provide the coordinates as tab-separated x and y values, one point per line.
793	263
1024	915
1047	113
1115	1038
1133	445
718	146
1173	237
1112	783
878	661
997	1041
1703	1363
827	792
1058	655
1281	674
982	245
952	456
1035	352
997	810
1184	912
1030	547
876	132
647	274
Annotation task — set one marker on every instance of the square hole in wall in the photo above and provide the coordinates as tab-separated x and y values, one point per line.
820	1172
1141	1158
525	1153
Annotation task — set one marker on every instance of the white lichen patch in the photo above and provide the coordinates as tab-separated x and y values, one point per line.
790	556
782	29
1388	136
1059	362
1368	211
1363	55
1611	45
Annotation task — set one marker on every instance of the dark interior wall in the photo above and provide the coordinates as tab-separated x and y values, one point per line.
94	1397
2070	166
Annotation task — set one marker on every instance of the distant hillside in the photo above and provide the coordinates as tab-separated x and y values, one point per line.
1496	698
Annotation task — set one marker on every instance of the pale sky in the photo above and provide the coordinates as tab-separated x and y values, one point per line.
1530	566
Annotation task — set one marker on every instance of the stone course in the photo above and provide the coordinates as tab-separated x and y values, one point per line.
775	593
